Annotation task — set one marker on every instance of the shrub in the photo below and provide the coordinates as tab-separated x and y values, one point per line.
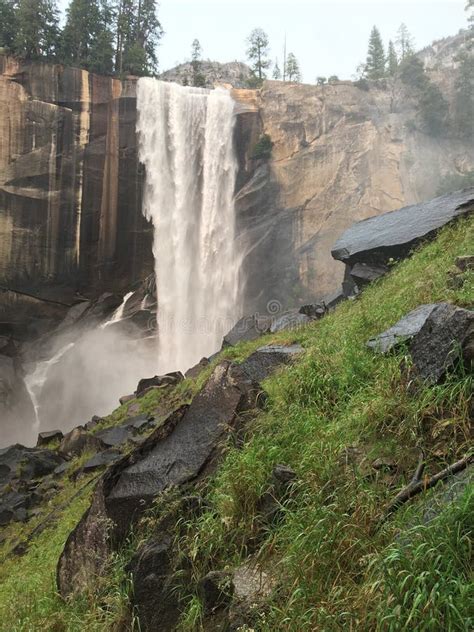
263	147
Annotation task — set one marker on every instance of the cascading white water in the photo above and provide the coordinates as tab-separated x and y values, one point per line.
186	144
35	381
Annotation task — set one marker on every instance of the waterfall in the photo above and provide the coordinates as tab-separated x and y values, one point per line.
186	144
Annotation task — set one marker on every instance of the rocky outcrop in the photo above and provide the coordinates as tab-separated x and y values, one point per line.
369	246
182	448
402	331
445	340
234	73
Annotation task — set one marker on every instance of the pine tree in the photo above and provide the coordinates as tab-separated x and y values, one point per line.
7	24
37	29
257	53
392	59
404	42
276	71
375	64
87	38
138	34
199	80
292	70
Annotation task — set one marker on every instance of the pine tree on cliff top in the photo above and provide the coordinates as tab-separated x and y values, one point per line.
276	71
37	33
405	43
199	80
87	39
7	24
138	35
292	70
392	59
257	53
375	64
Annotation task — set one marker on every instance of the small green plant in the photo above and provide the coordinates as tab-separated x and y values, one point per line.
263	147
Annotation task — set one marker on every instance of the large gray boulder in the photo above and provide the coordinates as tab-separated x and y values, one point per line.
403	330
376	240
446	338
183	447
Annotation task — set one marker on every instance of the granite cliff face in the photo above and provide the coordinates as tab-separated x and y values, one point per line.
70	190
71	185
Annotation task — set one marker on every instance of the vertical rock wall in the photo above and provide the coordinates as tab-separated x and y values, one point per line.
70	188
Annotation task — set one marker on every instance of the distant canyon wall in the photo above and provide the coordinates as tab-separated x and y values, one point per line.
71	186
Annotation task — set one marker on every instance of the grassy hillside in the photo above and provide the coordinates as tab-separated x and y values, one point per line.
329	416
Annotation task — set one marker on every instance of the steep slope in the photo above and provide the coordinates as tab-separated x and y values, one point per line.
348	425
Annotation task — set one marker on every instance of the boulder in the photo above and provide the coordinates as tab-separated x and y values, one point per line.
18	462
364	273
314	310
126	398
248	328
169	379
446	337
292	319
215	591
115	436
184	446
393	235
79	440
465	263
45	438
153	597
100	460
403	330
197	369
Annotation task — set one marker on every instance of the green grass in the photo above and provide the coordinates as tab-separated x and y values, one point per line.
334	570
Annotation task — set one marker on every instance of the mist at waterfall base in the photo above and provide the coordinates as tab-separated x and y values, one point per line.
186	144
82	373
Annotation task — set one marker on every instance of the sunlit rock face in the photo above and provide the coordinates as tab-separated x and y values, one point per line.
340	154
70	188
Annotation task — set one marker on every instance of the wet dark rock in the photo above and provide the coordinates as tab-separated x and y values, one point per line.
378	239
292	319
115	436
45	438
403	330
61	469
100	460
364	273
78	440
18	462
197	369
465	263
182	448
446	337
248	328
279	491
93	423
170	379
283	475
155	600
314	310
139	422
216	590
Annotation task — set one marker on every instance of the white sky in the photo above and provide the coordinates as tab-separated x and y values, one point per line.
327	36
